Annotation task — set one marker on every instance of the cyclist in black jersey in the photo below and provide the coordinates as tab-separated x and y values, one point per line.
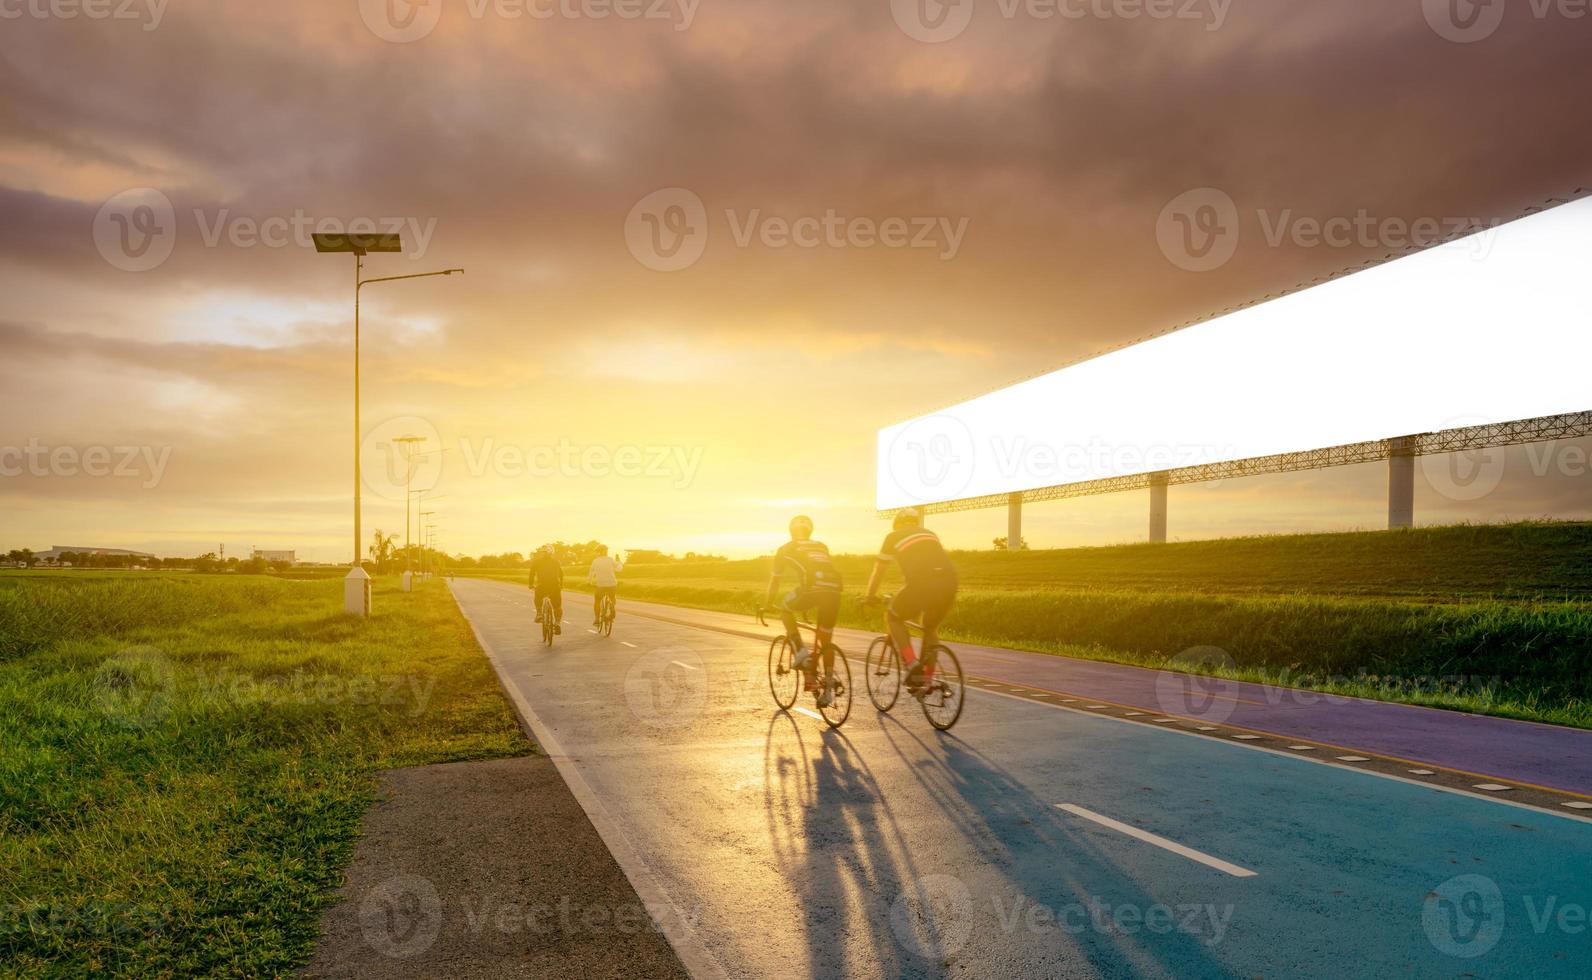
817	590
547	582
927	596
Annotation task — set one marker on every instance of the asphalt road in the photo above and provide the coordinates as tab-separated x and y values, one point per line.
1035	839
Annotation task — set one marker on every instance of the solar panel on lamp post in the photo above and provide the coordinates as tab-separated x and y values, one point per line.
356	587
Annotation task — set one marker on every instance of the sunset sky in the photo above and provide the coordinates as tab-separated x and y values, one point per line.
983	195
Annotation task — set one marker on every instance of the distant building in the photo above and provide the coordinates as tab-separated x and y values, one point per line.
55	553
291	557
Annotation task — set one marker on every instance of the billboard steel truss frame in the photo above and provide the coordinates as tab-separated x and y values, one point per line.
1524	432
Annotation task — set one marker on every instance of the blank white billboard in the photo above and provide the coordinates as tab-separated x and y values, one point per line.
1496	327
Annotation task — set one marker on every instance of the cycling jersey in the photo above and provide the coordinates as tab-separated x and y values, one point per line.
604	572
546	572
810	560
919	553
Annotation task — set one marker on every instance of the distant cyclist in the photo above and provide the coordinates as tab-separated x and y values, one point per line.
817	590
604	580
547	581
927	596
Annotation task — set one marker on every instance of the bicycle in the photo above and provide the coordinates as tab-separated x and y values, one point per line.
549	622
605	616
941	699
785	681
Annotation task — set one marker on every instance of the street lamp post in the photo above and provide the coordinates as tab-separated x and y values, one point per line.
420	518
356	588
407	442
409	472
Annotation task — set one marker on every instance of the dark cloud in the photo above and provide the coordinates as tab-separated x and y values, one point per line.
527	143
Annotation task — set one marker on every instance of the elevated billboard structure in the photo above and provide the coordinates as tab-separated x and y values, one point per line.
1481	342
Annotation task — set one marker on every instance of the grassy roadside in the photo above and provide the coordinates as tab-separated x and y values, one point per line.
1494	619
187	760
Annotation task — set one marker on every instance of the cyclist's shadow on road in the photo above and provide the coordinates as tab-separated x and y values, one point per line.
1044	860
838	845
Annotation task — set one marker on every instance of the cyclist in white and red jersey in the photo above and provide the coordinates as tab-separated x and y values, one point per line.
817	591
927	596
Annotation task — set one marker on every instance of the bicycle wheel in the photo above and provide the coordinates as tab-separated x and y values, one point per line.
784	681
608	616
839	709
548	622
942	705
883	671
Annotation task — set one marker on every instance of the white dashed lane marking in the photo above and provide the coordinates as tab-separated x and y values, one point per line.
1158	841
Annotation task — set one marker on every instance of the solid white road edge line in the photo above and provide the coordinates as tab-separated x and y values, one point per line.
675	924
1158	841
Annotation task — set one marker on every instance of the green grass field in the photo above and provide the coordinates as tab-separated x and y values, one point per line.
1489	618
187	758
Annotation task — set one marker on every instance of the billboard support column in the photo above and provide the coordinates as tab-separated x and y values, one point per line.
1014	522
1401	483
1158	484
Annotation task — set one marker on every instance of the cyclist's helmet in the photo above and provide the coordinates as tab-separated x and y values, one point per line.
910	517
801	528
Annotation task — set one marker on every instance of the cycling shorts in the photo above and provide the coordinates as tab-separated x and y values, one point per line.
926	601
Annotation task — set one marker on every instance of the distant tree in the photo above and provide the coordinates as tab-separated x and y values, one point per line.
1000	544
509	559
383	550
